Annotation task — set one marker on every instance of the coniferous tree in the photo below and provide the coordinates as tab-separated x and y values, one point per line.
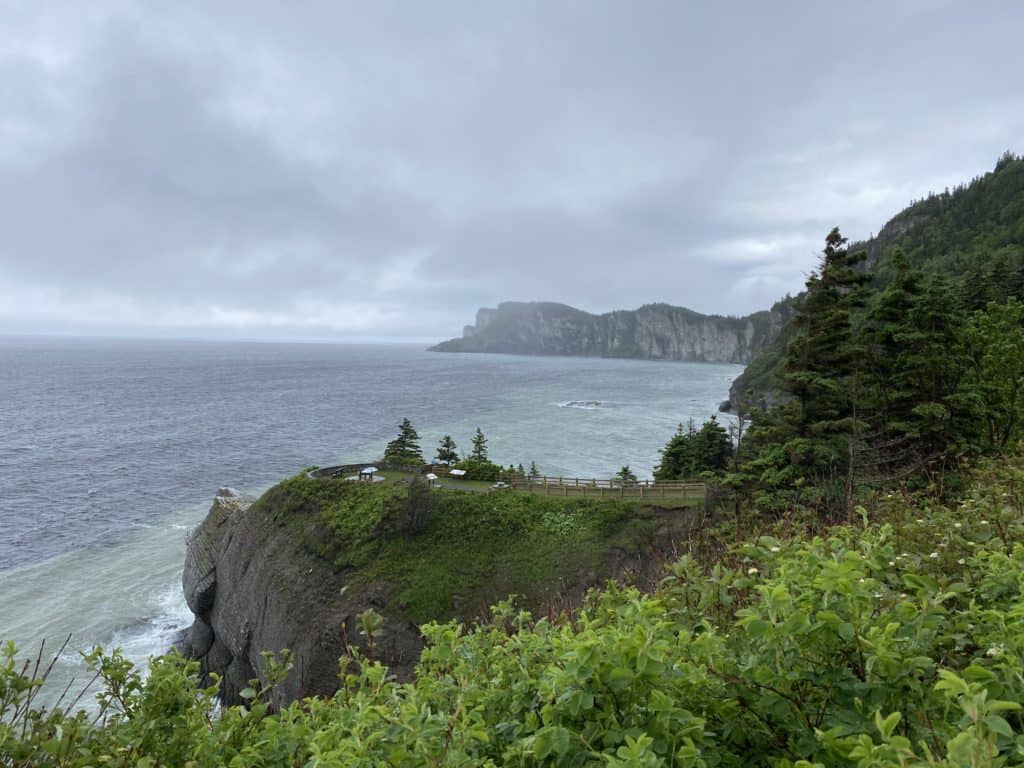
691	451
405	448
534	472
714	447
446	451
816	433
677	457
930	366
626	476
993	387
912	371
479	452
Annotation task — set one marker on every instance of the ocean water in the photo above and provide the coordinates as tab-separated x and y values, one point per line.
111	449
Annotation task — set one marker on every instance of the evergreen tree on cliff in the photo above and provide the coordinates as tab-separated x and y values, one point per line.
912	371
812	439
479	452
692	451
446	452
405	448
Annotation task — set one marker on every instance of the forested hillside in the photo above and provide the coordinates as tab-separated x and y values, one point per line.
972	235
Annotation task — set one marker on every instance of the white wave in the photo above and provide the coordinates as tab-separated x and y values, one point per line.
155	633
583	405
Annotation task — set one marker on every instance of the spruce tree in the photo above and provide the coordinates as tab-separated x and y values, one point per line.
912	372
714	447
479	452
822	375
405	448
993	386
534	472
691	451
446	451
626	476
677	457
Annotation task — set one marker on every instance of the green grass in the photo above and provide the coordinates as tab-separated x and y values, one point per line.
480	547
475	549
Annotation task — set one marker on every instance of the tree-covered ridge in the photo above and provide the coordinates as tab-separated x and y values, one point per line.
882	644
974	232
901	381
972	236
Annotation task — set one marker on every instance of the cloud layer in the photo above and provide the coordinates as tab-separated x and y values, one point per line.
348	170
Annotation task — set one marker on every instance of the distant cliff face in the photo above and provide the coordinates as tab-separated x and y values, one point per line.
653	332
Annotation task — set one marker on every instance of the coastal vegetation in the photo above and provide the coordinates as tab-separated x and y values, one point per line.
861	605
893	640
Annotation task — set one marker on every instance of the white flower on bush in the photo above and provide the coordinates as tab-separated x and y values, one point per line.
752	571
933	555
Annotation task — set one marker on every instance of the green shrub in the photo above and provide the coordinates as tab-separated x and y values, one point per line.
480	470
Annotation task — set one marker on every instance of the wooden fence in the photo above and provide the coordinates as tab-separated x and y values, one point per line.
611	489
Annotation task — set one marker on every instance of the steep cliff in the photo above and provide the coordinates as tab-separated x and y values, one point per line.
253	586
654	332
295	569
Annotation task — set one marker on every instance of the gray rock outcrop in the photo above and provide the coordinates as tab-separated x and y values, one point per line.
252	589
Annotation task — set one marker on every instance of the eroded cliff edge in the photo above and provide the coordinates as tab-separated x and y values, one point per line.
295	569
252	587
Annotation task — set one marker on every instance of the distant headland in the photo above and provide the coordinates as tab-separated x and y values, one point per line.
652	332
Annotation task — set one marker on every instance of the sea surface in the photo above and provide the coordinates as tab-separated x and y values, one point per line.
110	450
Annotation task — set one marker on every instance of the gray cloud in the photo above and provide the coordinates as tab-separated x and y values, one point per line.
382	169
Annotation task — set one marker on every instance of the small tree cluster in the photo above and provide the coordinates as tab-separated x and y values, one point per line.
692	451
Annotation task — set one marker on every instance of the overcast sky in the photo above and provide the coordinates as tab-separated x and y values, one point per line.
366	170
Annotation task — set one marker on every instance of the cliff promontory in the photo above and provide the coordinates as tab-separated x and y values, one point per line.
296	568
652	332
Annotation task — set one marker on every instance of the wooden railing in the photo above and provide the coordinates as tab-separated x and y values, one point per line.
610	489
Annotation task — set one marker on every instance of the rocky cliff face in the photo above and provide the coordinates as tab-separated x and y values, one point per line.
253	589
654	332
255	584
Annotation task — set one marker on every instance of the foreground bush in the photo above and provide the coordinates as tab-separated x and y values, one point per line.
895	643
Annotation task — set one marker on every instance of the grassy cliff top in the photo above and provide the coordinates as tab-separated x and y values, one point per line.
471	549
